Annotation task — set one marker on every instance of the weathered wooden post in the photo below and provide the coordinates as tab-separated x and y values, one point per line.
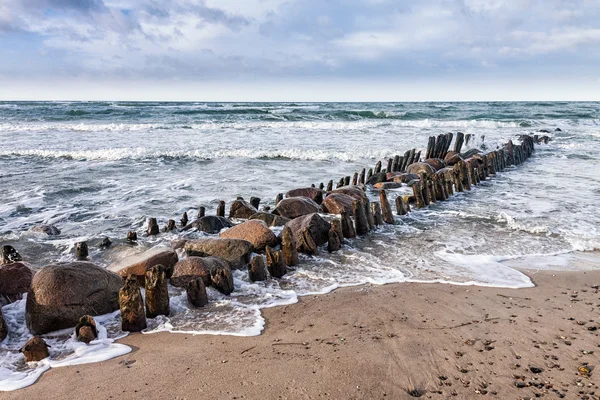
152	227
347	225
336	225
221	209
330	185
278	198
369	214
255	202
256	269
460	139
389	165
418	194
81	251
430	147
221	279
184	219
35	349
369	174
361	225
378	167
355	179
386	209
306	244
275	264
334	242
400	209
132	236
85	330
288	247
170	226
133	318
196	292
377	215
361	178
201	212
157	292
346	181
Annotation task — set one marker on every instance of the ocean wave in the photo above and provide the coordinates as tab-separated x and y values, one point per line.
512	223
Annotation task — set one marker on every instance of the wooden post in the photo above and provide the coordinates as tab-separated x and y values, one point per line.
278	198
81	250
378	216
347	226
170	226
347	181
256	268
335	242
369	215
369	174
361	178
157	292
361	225
396	164
460	139
400	209
255	202
306	244
152	227
132	236
133	318
196	293
275	264
355	179
386	209
330	185
184	219
201	212
430	147
405	161
378	167
85	330
222	279
390	163
288	247
221	209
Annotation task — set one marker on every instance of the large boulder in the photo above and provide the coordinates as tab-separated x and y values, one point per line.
49	230
421	167
270	219
15	279
235	251
357	192
452	158
436	163
211	224
138	263
254	231
295	207
316	226
403	177
190	268
241	209
61	293
335	203
312	193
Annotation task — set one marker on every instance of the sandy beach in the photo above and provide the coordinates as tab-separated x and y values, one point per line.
372	342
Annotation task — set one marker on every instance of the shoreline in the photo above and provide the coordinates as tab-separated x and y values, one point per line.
439	339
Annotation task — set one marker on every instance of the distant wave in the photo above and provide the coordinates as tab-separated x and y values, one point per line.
249	153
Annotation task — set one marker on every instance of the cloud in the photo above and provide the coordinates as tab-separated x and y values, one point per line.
295	40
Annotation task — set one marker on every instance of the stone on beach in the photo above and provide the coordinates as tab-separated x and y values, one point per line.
15	279
235	251
35	349
255	232
295	207
86	330
193	267
92	290
131	304
138	263
421	167
270	219
241	209
317	227
211	224
335	203
312	193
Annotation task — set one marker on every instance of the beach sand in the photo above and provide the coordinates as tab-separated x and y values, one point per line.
372	342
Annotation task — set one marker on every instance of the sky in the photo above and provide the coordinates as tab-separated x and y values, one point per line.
300	50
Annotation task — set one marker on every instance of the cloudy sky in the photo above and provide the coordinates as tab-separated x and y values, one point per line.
300	50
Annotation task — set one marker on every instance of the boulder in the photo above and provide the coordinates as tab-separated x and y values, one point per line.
418	168
387	185
138	263
61	293
376	178
335	203
452	158
404	177
211	224
255	232
295	207
241	209
312	193
235	251
436	163
15	279
191	268
270	219
49	230
357	192
316	226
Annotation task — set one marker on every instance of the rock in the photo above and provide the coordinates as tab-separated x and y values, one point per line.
49	230
10	255
295	207
81	251
152	227
335	203
61	293
86	331
137	264
312	193
470	153
133	316
196	293
241	209
404	177
256	269
211	224
191	268
222	280
255	232
316	225
106	242
35	350
289	247
418	168
357	192
275	265
270	219
157	292
452	158
436	163
3	326
235	251
387	185
15	279
376	178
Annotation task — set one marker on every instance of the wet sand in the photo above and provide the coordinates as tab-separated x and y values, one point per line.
372	342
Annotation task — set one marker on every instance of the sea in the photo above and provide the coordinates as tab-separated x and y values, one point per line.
101	169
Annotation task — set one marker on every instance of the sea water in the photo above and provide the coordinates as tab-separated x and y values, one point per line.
100	169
